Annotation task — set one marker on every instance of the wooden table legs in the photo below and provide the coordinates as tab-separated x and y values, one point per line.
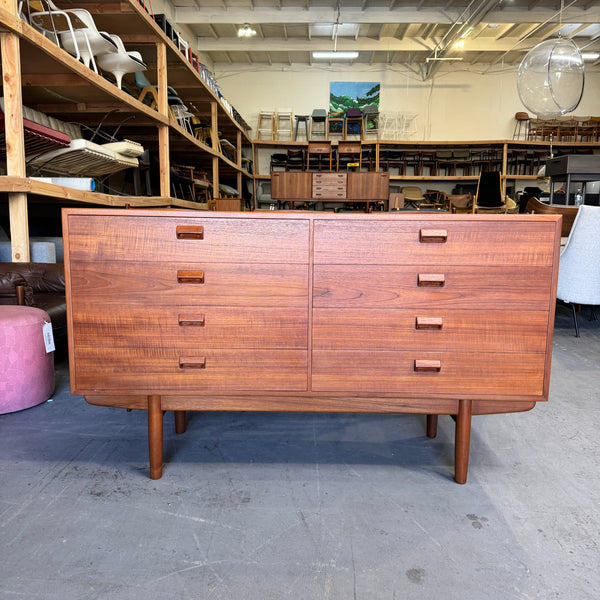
462	440
179	421
155	436
432	423
461	449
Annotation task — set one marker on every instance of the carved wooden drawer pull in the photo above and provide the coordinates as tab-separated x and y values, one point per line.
431	280
428	323
191	320
190	276
433	236
423	366
192	363
190	232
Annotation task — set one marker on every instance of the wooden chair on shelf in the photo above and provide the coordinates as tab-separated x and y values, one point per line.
319	117
348	152
521	126
278	161
395	159
354	124
295	160
518	160
284	126
301	120
444	163
412	160
335	124
148	93
201	130
368	156
190	184
461	160
265	128
567	129
427	160
481	160
371	120
319	151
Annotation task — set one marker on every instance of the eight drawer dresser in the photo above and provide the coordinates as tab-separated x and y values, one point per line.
426	313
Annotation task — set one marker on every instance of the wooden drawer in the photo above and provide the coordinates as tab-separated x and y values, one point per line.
128	325
461	373
158	370
411	242
208	239
329	179
381	286
223	284
330	193
511	330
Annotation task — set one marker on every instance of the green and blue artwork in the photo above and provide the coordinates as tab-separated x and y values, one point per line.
352	94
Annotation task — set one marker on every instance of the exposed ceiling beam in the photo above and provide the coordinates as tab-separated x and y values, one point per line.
191	16
362	44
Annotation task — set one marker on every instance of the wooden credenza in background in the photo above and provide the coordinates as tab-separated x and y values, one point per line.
325	186
413	313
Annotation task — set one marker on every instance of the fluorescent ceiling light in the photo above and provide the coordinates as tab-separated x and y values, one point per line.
246	31
331	29
441	58
335	55
590	55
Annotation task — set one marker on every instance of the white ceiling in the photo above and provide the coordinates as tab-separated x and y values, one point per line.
387	32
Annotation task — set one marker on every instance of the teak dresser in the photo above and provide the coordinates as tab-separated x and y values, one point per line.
296	311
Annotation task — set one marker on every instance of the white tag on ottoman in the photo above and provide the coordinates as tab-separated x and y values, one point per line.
48	337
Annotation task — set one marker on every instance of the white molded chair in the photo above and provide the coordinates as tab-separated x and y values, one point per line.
120	62
53	23
579	266
91	41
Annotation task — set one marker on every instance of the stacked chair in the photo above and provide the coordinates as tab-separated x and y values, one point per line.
75	31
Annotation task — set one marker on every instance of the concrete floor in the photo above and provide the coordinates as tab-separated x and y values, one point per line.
304	506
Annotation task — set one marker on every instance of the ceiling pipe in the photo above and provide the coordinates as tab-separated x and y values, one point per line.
458	31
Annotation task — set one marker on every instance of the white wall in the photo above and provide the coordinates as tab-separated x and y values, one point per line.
454	105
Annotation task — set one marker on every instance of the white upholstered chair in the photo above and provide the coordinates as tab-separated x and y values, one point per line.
579	266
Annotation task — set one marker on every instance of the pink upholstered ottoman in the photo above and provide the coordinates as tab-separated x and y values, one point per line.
26	369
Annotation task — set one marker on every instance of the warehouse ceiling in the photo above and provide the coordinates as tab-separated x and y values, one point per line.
418	35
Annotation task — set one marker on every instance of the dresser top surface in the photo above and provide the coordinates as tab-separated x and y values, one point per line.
311	215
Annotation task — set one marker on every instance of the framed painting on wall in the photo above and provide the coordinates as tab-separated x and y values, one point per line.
352	94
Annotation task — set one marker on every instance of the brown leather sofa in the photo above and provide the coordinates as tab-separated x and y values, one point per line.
41	285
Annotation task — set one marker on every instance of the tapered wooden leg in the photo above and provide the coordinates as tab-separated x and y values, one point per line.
155	436
179	421
462	441
432	423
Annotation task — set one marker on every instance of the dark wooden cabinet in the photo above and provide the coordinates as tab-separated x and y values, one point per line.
363	186
371	185
413	313
291	186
